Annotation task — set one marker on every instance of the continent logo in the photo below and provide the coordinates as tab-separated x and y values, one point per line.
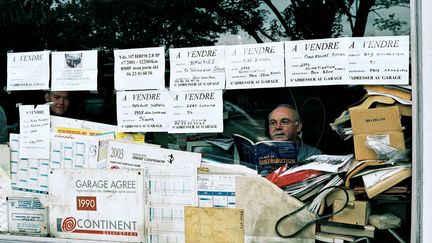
66	225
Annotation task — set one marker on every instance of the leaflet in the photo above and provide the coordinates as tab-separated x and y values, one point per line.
141	68
196	112
28	70
142	111
74	70
197	68
255	66
34	131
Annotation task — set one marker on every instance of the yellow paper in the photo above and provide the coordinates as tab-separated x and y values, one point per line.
136	137
216	225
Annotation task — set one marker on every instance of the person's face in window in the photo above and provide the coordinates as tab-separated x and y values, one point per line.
60	101
284	124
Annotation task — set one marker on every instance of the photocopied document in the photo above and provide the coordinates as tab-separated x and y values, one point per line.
28	175
189	112
143	110
170	183
139	68
255	66
75	151
74	70
28	70
216	190
197	68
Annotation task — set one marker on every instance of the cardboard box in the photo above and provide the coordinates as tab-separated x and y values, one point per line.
356	212
394	139
374	120
382	123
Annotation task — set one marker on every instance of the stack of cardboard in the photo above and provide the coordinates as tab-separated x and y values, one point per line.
381	167
382	125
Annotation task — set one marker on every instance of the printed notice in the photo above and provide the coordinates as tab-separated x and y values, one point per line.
28	70
142	111
74	70
316	62
196	112
379	60
34	131
137	69
197	68
255	66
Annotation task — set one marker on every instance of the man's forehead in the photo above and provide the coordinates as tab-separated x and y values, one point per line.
60	94
284	112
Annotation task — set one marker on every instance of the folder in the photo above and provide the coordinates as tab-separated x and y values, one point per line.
383	184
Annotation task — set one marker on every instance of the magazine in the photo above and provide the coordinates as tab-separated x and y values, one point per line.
265	156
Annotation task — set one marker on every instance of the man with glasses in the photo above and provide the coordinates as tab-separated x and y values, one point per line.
285	125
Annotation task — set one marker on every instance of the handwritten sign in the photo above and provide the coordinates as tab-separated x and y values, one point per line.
316	62
379	60
28	70
255	66
74	70
137	69
196	112
142	111
198	68
34	131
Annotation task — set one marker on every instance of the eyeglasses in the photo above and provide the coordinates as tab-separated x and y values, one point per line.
283	122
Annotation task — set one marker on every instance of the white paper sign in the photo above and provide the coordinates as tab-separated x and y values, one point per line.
28	70
34	131
136	69
316	62
379	60
255	66
196	112
197	68
142	111
97	204
74	70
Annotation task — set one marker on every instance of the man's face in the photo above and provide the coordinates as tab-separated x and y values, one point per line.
60	100
283	124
